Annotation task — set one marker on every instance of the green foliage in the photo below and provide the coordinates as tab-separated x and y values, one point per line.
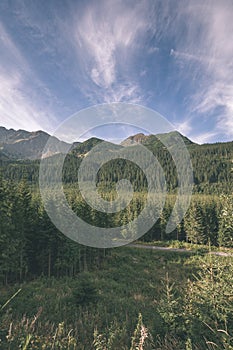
169	305
128	283
193	224
77	289
85	291
204	313
141	338
182	311
212	300
211	164
31	246
226	222
111	339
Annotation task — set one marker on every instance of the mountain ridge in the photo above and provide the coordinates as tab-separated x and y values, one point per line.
21	144
212	163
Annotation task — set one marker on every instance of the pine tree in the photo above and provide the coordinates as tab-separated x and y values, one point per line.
225	237
193	224
7	245
22	221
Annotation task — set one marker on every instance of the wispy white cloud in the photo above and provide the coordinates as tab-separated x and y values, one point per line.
184	127
218	95
225	120
153	49
98	43
16	109
19	105
143	72
207	42
206	137
189	57
7	46
187	128
108	35
109	51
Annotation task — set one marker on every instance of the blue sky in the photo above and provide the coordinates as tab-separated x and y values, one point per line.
176	57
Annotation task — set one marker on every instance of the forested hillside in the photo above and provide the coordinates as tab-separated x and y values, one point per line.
212	165
70	296
25	226
31	245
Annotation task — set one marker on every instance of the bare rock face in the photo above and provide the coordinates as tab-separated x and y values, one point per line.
135	139
21	144
170	138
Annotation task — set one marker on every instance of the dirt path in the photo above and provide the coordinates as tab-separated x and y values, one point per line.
178	250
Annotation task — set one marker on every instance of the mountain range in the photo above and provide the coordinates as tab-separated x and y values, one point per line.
20	153
21	144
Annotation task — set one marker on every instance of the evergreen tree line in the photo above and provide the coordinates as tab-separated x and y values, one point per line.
212	167
31	246
209	220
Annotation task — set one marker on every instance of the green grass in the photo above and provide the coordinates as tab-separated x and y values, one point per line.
129	282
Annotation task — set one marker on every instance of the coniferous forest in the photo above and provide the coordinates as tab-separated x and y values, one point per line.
58	294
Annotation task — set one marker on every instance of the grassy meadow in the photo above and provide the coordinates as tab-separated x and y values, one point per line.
163	293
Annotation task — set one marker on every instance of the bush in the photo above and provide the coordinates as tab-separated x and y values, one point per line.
85	291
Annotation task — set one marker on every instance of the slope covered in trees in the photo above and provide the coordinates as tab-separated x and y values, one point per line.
31	245
212	166
81	288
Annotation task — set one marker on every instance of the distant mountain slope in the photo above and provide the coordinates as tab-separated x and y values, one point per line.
171	137
134	139
21	144
212	163
82	148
